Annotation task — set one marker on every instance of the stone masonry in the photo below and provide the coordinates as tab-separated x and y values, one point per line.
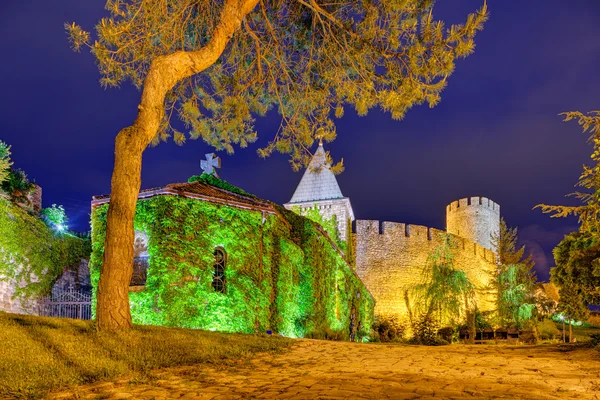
390	256
10	303
476	219
390	262
319	188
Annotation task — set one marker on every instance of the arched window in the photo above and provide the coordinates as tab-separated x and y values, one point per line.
218	282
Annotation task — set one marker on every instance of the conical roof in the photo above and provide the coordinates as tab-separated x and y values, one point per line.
318	182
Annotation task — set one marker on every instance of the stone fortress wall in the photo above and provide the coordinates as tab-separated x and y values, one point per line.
328	208
474	218
390	255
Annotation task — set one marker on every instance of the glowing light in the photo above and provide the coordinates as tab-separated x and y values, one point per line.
60	227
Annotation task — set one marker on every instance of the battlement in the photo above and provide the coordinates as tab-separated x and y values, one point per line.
476	219
477	201
396	233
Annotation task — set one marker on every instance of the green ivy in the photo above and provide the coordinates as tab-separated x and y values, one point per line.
30	252
282	275
210	179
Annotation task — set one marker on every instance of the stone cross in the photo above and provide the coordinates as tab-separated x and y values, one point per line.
209	165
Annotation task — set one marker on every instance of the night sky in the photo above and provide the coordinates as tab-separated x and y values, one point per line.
496	132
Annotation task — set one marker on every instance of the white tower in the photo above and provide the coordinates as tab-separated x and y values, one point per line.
476	219
318	187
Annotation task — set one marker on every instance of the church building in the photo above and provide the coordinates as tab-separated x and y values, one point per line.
208	255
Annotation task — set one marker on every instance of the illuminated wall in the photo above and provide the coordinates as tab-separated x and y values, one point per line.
282	273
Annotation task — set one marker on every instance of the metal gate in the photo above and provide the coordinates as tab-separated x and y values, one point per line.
69	303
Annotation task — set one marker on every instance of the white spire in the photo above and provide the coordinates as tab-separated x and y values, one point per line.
318	182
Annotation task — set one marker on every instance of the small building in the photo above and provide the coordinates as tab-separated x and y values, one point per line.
210	256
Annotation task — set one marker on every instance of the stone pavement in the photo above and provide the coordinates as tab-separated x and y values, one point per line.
332	370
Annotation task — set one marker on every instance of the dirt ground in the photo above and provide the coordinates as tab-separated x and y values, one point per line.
332	370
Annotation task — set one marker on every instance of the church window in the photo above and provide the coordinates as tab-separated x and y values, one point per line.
140	259
140	271
218	282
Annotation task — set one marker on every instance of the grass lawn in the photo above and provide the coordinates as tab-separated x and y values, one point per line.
38	354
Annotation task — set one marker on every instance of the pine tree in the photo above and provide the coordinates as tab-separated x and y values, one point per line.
219	64
577	256
514	280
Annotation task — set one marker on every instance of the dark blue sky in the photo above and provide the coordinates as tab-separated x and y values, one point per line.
496	132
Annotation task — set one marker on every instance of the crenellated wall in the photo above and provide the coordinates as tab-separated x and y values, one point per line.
390	255
474	218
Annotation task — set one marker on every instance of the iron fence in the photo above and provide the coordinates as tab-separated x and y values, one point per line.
69	303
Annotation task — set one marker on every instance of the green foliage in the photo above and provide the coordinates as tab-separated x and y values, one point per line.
589	212
303	58
577	259
17	186
291	281
445	292
577	270
425	331
448	334
55	215
571	303
210	179
5	162
40	354
387	329
350	257
32	253
547	329
514	304
330	225
514	281
509	254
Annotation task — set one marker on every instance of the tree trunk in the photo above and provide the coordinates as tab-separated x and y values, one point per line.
112	308
570	332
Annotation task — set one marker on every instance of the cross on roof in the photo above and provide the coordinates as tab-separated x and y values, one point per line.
209	165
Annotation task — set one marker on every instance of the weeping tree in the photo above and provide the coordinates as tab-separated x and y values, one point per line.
514	302
445	292
217	65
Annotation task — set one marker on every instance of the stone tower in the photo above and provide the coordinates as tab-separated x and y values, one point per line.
476	219
318	187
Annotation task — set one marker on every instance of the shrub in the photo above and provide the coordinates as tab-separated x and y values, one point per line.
448	334
326	333
387	329
594	319
548	330
595	339
425	332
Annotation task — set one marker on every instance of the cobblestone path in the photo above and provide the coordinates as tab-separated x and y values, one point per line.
330	370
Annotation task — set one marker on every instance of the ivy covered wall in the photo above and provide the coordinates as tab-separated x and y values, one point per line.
282	274
32	256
